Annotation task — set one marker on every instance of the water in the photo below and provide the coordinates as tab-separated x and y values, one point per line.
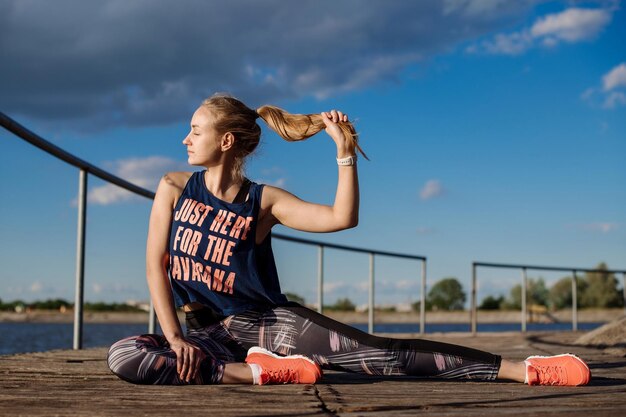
40	337
481	327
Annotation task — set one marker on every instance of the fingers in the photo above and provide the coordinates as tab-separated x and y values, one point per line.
188	360
187	364
179	360
336	116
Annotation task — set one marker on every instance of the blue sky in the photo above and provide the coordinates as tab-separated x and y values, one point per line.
496	132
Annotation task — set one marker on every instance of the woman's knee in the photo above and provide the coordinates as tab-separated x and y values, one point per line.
126	356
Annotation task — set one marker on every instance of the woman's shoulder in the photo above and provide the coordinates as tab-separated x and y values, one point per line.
176	179
272	194
172	184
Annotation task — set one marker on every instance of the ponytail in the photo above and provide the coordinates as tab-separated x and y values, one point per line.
235	117
295	127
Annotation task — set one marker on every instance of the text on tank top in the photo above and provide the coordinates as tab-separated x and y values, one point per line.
214	258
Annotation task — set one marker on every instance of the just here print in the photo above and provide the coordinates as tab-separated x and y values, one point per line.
203	242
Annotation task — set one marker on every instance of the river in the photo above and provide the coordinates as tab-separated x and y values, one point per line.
40	337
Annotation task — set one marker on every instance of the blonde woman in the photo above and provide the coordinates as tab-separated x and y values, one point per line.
209	252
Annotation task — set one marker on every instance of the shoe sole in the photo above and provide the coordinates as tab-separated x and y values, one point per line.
257	349
570	355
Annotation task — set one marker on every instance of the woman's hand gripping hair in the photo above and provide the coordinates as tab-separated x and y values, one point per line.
331	120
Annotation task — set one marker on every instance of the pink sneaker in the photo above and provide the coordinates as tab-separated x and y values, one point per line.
275	369
566	369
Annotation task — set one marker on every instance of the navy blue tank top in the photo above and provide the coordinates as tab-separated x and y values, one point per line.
214	259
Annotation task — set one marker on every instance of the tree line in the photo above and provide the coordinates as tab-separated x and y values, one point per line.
61	304
594	290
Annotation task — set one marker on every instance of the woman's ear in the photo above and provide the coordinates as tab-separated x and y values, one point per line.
228	141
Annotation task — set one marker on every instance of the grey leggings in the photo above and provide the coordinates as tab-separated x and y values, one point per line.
294	329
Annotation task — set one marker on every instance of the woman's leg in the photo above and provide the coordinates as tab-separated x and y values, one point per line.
294	329
512	371
148	359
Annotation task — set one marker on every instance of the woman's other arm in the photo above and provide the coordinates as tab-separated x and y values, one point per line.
188	356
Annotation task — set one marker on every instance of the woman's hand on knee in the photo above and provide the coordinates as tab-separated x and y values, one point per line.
188	358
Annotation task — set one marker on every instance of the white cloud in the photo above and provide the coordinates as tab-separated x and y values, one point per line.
275	176
612	94
600	227
389	289
616	77
405	284
431	189
481	9
425	230
150	72
144	172
571	25
588	93
507	44
115	289
616	98
604	126
34	291
108	194
331	287
278	182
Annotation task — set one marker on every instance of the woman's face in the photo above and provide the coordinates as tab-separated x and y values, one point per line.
202	142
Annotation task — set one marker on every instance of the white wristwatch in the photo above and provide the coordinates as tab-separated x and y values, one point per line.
348	160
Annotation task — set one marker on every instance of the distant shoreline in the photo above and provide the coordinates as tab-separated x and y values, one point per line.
585	315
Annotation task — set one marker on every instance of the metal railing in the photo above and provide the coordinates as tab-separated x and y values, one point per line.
86	168
524	268
371	253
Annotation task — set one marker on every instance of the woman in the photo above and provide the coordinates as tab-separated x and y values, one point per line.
209	251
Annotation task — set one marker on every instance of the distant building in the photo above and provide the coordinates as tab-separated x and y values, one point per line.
404	307
141	305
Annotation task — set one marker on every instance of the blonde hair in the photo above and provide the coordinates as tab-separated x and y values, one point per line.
235	117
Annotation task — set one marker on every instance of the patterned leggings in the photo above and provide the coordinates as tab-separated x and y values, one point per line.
293	329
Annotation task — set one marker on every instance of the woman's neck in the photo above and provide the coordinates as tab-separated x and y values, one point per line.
221	183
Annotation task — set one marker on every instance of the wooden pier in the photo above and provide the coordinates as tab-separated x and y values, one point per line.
77	383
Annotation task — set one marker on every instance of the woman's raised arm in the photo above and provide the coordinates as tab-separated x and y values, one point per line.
289	210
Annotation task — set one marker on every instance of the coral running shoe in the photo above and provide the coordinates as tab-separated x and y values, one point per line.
566	369
275	369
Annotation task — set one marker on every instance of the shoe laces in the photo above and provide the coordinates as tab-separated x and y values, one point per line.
282	375
550	374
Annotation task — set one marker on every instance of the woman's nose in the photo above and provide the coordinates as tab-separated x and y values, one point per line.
186	140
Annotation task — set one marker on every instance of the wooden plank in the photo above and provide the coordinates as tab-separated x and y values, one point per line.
66	382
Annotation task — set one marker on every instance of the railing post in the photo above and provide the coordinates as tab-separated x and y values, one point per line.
80	259
320	279
423	299
574	301
370	318
151	318
473	318
624	289
524	308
